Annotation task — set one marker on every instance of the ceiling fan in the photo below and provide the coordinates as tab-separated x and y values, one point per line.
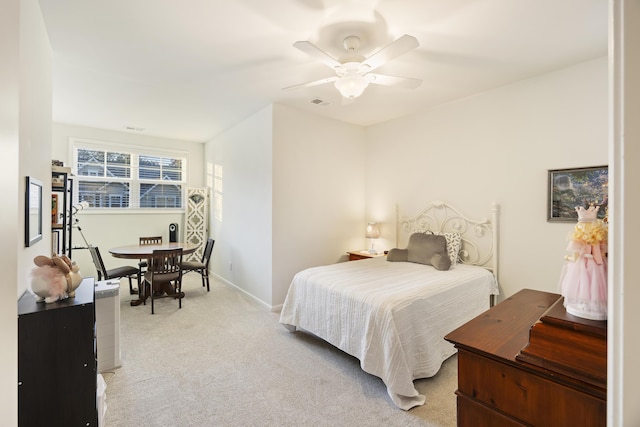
354	71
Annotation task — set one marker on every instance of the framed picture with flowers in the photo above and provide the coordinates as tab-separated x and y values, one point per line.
570	188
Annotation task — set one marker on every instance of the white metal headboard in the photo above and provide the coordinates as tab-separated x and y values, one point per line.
479	237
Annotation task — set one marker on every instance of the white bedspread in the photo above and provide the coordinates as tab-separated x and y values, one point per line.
392	316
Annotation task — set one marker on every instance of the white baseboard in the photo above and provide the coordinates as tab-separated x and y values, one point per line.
273	309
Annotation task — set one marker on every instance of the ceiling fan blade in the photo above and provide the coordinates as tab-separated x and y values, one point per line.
313	83
390	51
383	79
313	50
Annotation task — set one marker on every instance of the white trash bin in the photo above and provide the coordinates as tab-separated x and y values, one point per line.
107	303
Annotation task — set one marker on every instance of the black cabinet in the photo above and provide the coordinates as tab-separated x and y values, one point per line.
57	360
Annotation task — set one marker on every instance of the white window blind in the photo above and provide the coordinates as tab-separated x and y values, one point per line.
123	177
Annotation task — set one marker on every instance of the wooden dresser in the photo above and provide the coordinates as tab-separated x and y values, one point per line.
527	362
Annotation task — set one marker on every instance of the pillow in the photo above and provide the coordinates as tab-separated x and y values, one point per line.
396	255
454	242
441	262
428	249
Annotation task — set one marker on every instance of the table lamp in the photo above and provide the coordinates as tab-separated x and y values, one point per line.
373	232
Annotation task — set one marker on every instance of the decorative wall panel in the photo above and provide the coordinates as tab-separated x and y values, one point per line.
196	225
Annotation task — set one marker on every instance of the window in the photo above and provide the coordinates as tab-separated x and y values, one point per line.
128	177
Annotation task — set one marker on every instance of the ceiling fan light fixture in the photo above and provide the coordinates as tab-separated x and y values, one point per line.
353	71
351	86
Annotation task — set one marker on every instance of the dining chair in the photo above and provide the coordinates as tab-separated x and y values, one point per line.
114	273
201	266
143	241
164	276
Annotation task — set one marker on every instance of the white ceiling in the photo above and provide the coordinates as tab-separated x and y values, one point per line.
190	69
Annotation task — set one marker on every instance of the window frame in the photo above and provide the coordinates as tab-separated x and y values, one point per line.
134	180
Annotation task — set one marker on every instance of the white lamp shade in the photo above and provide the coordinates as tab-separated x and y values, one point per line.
373	232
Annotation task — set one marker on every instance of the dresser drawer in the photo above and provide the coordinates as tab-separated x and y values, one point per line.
524	395
472	414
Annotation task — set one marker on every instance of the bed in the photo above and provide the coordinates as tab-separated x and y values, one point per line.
393	316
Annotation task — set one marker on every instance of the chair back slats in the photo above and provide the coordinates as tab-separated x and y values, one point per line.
165	267
146	241
165	262
153	240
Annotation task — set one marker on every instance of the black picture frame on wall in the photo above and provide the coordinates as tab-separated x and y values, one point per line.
570	188
33	212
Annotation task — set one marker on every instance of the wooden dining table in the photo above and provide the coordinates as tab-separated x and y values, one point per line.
145	251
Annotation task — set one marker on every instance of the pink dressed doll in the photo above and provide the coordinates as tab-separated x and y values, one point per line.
583	281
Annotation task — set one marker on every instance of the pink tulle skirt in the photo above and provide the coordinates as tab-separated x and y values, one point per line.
583	283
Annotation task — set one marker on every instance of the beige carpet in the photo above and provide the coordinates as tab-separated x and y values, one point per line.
224	360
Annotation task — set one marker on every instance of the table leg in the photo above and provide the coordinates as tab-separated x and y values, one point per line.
142	294
159	288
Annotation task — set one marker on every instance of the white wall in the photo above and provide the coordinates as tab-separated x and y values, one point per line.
25	127
623	372
242	229
116	229
35	126
496	146
318	193
291	198
10	186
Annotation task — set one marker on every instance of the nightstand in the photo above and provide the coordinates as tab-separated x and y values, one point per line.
356	255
